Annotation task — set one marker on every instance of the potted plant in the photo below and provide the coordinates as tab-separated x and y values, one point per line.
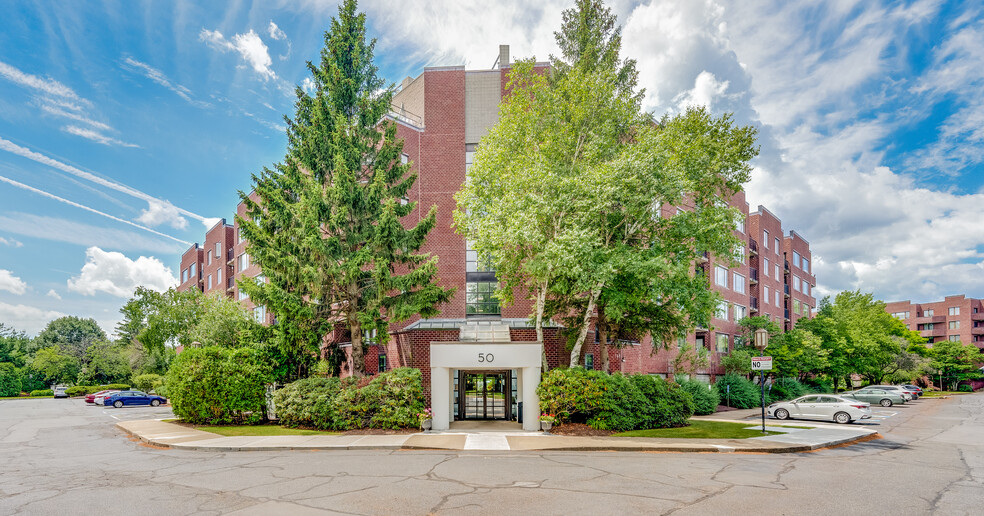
425	418
547	421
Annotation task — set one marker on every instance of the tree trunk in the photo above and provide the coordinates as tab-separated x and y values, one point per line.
576	352
602	326
358	354
541	297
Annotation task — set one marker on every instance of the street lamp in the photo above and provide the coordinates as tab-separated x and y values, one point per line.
762	342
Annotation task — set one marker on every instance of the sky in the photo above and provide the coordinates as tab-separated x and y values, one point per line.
127	128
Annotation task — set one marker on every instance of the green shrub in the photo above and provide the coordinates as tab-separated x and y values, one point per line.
742	394
572	395
390	400
148	382
964	388
704	396
818	386
669	405
623	406
42	392
10	380
216	385
786	389
79	390
309	402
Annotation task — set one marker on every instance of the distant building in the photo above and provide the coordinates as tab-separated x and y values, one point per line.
441	115
955	318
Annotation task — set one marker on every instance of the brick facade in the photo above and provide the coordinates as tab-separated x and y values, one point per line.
955	318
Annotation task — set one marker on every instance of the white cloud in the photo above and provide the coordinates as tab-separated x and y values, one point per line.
69	231
250	47
52	293
208	223
158	76
11	283
58	109
162	212
28	319
84	207
10	242
117	275
95	136
13	148
49	86
277	34
308	85
706	89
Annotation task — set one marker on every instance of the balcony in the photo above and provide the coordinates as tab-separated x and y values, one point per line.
703	257
976	317
977	330
753	276
230	284
935	332
929	319
785	290
754	304
787	265
787	314
753	247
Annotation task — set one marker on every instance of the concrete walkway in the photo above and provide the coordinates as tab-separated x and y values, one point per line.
471	437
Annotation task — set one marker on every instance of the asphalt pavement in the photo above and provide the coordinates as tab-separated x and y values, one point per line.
62	457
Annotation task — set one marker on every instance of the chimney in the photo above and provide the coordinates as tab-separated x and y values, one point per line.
503	56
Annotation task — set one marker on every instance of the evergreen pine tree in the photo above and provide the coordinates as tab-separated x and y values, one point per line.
326	227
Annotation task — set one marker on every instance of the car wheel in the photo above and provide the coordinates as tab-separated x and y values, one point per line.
118	404
782	414
154	403
885	402
842	417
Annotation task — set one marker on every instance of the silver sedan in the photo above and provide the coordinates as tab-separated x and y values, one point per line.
824	407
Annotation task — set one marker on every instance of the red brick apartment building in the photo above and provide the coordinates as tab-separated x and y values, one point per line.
477	344
955	318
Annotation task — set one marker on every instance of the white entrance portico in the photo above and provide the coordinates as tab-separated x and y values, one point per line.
447	357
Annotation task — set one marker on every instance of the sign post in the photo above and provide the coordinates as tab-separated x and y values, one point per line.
762	364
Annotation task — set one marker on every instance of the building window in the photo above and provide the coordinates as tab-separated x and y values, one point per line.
699	344
218	249
806	287
740	312
778	275
741	225
721	276
681	343
765	239
778	248
184	275
766	296
382	358
954	338
589	361
242	295
208	259
721	343
218	276
404	158
796	283
765	270
191	273
954	325
739	341
739	283
741	254
243	262
953	310
259	313
209	281
928	326
796	259
777	298
806	265
928	313
722	311
796	307
479	299
369	337
475	263
239	235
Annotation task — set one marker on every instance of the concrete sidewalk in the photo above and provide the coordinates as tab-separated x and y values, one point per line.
169	435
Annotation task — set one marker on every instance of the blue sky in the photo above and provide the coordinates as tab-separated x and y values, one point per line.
126	128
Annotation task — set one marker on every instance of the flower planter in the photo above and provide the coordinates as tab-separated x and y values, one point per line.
425	424
546	425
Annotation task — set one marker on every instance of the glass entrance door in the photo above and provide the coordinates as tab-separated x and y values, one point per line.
484	394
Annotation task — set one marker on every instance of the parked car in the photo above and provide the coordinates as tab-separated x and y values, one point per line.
91	398
100	398
824	407
914	388
880	396
905	393
60	392
124	398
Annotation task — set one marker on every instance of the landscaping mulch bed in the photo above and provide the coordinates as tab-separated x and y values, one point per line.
579	429
382	431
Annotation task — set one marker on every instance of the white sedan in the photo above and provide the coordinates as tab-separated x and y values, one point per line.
824	407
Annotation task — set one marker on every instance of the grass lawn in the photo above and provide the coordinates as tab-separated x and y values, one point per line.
701	430
937	394
25	397
259	430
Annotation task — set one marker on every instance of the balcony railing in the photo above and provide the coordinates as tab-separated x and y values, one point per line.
785	289
753	275
979	330
787	314
753	246
754	302
935	332
787	265
976	317
704	257
929	319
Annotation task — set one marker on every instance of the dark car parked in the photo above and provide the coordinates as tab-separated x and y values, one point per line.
127	398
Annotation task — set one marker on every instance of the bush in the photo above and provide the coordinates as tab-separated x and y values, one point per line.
10	380
43	392
572	395
742	394
309	402
148	382
623	406
79	390
704	396
669	405
964	388
82	390
216	385
819	386
786	389
390	400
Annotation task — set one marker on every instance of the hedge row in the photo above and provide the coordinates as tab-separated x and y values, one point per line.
82	390
613	401
216	385
390	400
42	392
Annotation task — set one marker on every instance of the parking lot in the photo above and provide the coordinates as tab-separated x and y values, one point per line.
62	457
